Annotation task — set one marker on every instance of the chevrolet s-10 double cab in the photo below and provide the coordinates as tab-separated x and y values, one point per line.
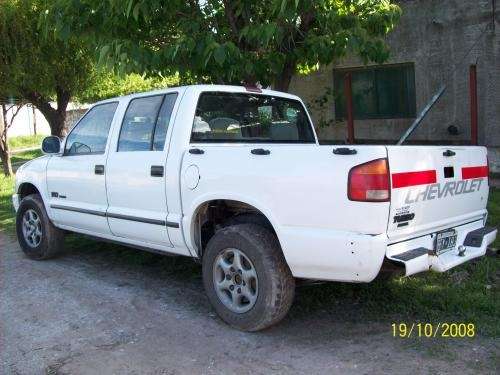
235	177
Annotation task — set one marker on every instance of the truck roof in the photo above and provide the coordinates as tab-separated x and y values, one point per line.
202	88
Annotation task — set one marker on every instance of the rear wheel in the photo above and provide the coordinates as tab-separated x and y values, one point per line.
38	237
246	277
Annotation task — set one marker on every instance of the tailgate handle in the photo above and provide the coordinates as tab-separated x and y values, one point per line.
344	151
449	153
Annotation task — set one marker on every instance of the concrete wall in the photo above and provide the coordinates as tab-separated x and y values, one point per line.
24	121
72	116
434	35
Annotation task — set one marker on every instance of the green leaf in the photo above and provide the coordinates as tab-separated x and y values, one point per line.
129	7
283	6
103	54
135	12
176	49
220	54
207	58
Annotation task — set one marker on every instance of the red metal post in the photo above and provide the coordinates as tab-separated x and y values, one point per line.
348	104
473	104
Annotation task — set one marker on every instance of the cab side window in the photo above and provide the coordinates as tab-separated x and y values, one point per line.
90	135
145	123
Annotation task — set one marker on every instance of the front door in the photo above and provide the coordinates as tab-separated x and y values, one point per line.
76	179
135	171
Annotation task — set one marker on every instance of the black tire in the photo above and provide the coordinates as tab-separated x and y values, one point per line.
52	239
276	285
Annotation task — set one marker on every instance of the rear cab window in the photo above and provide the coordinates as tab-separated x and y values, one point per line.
145	124
250	118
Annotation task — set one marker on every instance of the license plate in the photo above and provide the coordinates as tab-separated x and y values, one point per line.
445	241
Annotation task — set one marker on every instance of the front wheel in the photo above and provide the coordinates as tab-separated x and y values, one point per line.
38	237
246	277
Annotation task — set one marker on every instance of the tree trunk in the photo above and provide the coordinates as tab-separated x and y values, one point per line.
57	123
4	146
282	82
55	117
6	162
34	119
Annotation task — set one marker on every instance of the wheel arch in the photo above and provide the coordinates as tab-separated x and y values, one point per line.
217	211
27	188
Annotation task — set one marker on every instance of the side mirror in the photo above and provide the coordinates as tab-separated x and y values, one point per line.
51	145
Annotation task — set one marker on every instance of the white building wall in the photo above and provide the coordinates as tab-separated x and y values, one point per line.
23	123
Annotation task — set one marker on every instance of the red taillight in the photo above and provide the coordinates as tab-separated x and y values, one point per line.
369	182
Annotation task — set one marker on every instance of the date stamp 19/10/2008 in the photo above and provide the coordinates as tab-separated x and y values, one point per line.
433	330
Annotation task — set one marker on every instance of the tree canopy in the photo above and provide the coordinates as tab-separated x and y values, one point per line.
227	41
107	84
39	68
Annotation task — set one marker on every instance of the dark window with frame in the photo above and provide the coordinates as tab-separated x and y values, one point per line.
386	91
145	123
163	121
90	134
251	118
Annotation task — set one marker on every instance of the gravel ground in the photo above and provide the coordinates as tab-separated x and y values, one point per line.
91	312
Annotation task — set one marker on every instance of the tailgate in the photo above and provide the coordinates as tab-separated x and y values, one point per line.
435	187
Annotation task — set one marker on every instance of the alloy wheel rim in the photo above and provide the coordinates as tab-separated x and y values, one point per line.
235	280
32	228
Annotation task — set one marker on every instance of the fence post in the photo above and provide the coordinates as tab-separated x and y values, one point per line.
473	104
349	109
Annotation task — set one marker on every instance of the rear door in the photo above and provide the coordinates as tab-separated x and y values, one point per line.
135	171
435	187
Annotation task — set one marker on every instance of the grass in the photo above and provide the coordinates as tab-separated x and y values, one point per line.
25	141
6	209
469	293
22	142
494	213
25	156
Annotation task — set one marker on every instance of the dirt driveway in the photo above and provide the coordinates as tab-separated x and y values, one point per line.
91	312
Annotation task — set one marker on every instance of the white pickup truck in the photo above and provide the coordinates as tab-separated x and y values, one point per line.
236	178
